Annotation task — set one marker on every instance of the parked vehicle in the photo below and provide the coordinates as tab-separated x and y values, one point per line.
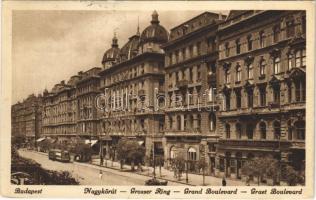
154	181
82	157
60	155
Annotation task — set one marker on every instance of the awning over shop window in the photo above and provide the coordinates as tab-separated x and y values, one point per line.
140	142
91	142
40	139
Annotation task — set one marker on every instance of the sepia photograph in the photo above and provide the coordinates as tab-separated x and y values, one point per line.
202	98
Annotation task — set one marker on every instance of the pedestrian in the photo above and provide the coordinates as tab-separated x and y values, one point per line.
100	175
248	181
101	160
223	181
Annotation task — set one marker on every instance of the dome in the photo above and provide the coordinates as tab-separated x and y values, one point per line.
154	32
113	53
130	49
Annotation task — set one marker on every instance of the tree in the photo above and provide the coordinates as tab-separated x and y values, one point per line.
160	162
178	164
130	151
260	166
201	165
291	176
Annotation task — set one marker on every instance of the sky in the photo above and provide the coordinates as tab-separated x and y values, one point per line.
50	46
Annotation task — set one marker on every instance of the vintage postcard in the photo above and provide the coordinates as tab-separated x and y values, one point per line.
161	99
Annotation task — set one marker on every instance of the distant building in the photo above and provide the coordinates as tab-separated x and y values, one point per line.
190	76
262	79
26	118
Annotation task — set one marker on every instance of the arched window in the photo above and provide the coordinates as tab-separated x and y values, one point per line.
170	122
212	121
263	130
300	130
173	152
277	129
249	42
192	154
191	121
289	59
276	65
227	130
238	73
227	76
178	122
238	131
262	38
250	131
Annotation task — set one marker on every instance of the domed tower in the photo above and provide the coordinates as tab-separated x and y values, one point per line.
111	56
153	36
130	49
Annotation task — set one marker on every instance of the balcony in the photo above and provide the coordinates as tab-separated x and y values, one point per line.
273	105
257	144
182	84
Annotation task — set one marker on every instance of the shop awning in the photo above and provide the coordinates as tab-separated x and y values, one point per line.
140	142
40	139
91	142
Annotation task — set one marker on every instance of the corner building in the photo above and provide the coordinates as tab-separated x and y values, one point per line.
132	80
190	90
262	80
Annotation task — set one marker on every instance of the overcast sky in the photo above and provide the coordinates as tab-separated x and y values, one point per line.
50	46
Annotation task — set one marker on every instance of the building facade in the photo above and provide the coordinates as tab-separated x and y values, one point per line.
261	81
132	80
190	75
26	118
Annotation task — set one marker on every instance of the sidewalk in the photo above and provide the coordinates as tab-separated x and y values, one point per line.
194	179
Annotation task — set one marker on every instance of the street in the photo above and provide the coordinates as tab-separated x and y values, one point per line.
88	174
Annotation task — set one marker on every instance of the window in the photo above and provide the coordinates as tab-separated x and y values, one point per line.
276	33
299	127
227	76
227	130
300	58
250	98
249	42
238	46
199	120
262	93
277	130
289	130
262	38
177	56
238	73
303	24
238	131
290	28
227	49
190	74
276	94
276	65
289	60
198	69
191	51
212	122
192	154
178	122
289	93
211	94
262	67
250	71
238	98
300	90
249	131
183	54
198	46
227	101
263	130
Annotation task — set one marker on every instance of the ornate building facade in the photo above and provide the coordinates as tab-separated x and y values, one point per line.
190	75
262	82
132	80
